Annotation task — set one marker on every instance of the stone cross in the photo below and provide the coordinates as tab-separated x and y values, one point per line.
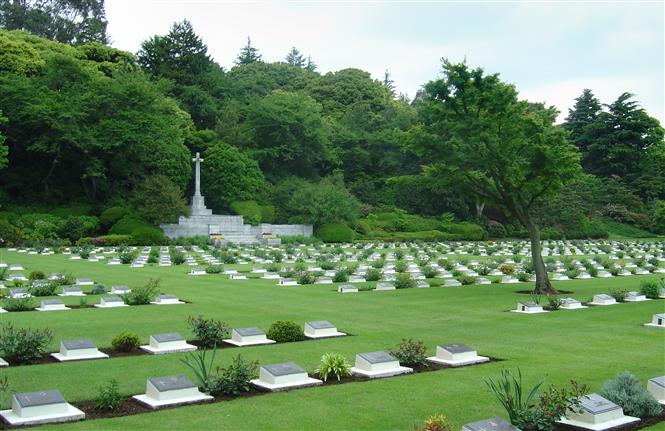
197	160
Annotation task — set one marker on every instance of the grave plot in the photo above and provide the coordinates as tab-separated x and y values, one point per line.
528	307
166	299
656	387
603	299
111	302
597	413
456	355
321	329
171	342
288	375
77	350
170	390
378	364
251	336
52	305
42	407
494	424
657	321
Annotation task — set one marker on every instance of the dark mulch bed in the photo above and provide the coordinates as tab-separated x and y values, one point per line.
129	406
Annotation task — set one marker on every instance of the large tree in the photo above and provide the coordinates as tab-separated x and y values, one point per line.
248	54
295	58
67	21
507	151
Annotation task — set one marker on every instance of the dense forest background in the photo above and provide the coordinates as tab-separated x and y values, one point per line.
97	141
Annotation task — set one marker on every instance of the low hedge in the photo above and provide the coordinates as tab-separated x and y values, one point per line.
335	232
249	210
105	240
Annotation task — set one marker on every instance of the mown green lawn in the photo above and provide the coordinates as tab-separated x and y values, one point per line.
590	345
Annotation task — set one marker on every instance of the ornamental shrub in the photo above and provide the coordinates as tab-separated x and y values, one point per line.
284	331
209	332
649	288
23	345
404	281
108	396
110	216
36	275
435	423
234	378
410	353
373	274
627	392
249	210
335	232
18	304
125	342
333	365
148	235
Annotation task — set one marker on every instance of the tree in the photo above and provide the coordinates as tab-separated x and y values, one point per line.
4	151
626	133
229	175
295	58
389	83
310	65
66	21
248	54
326	202
159	200
288	135
507	151
581	122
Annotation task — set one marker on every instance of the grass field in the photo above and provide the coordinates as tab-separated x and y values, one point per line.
590	345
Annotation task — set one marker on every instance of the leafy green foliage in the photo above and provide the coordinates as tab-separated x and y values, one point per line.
649	288
326	202
108	396
202	368
23	345
508	390
627	392
159	200
142	295
234	379
404	281
249	210
333	365
18	304
284	331
208	332
125	342
335	232
410	353
435	423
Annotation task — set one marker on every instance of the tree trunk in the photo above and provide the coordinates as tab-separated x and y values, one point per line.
543	285
480	206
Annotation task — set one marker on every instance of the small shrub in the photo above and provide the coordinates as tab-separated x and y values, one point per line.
649	288
333	365
626	391
125	342
36	275
43	289
373	274
305	278
23	345
410	353
127	257
335	232
234	379
18	304
618	294
98	289
523	276
435	423
341	276
467	280
214	269
554	302
202	369
209	332
429	272
108	396
284	331
507	269
142	295
401	266
177	257
404	281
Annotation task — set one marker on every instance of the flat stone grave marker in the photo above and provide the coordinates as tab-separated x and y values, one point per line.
170	390
171	342
596	413
52	305
570	304
528	307
603	299
321	329
384	286
657	321
120	290
378	364
250	336
345	288
456	355
635	297
656	387
71	291
42	407
494	424
288	375
111	302
166	299
84	282
76	350
287	282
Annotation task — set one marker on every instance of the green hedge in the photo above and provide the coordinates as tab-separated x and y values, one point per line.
105	240
335	232
142	233
249	210
110	216
428	235
465	231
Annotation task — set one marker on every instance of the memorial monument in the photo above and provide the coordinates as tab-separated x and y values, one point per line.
232	228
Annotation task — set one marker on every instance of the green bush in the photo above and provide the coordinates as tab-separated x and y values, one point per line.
335	232
410	353
249	210
209	332
341	276
177	257
465	231
108	396
127	256
36	275
214	269
23	345
98	289
404	281
142	295
466	280
627	392
284	331
18	304
125	342
105	240
268	213
496	229
305	277
148	235
43	289
435	423
373	275
110	216
549	233
649	288
335	365
234	379
76	227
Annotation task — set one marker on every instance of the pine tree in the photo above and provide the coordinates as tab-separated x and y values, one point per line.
389	83
295	58
248	54
310	65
